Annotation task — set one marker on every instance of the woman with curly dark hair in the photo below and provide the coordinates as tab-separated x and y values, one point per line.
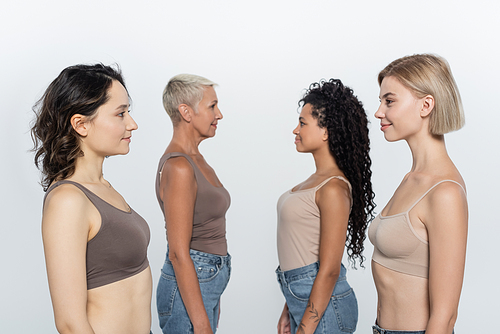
329	210
95	244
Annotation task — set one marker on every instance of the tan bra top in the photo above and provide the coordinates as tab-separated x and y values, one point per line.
397	246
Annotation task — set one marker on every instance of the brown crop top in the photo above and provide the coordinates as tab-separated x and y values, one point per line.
119	249
209	217
396	244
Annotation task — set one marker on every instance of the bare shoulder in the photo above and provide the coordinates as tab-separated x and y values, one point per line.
66	197
448	193
178	167
67	206
446	206
334	190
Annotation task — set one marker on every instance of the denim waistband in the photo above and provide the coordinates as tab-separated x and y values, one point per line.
306	271
378	330
207	257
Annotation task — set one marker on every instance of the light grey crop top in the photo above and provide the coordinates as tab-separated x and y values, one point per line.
209	217
396	244
299	227
119	249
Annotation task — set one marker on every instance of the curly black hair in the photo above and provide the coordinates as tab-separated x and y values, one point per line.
79	89
339	111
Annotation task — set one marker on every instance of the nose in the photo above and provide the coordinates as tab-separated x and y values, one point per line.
296	130
131	124
219	115
379	113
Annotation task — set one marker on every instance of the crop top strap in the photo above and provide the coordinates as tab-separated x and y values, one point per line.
167	156
334	177
434	186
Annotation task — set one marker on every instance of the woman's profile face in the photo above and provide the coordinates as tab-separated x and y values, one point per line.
308	135
399	111
110	131
206	119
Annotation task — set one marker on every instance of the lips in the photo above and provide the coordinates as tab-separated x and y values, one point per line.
128	139
297	140
384	127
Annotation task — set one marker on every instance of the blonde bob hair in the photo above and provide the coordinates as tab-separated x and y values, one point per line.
184	89
427	74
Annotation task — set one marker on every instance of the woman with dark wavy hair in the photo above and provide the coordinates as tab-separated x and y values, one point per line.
329	210
95	244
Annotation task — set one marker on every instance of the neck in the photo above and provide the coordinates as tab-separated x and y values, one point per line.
89	169
185	139
427	151
325	162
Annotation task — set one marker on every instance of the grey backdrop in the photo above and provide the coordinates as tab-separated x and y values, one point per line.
262	54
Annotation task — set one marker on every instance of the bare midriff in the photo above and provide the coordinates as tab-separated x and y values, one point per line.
122	307
403	300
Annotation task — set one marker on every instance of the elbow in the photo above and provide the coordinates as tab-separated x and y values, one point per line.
447	320
65	327
178	256
330	273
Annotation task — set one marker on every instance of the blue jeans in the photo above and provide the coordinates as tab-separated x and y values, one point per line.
341	314
378	330
213	275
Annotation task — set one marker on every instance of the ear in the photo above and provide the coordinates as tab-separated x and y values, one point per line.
186	112
427	106
325	134
80	124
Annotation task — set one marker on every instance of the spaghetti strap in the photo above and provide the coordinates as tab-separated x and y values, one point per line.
434	186
334	177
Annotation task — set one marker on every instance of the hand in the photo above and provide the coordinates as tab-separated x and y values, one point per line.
284	322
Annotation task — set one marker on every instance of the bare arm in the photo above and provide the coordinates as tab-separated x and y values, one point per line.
65	232
334	203
178	192
446	223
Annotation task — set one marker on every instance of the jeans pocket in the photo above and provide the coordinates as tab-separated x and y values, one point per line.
165	294
346	310
301	289
205	271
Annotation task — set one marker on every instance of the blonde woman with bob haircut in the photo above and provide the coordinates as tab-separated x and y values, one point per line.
420	236
194	203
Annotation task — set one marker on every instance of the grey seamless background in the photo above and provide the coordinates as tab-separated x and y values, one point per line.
262	54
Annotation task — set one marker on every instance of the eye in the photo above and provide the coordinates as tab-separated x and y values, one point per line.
121	114
302	123
388	102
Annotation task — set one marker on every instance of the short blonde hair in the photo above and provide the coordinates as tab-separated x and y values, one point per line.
184	89
427	74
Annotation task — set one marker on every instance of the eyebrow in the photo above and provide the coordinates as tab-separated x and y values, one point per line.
386	95
123	106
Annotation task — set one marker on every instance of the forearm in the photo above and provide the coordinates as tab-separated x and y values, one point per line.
189	288
318	301
441	324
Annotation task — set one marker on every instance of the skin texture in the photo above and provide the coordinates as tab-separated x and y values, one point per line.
178	192
70	220
333	200
407	302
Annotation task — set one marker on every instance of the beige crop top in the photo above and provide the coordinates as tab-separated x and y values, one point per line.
299	227
396	244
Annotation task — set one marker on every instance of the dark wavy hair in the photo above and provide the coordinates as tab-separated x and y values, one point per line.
339	111
79	89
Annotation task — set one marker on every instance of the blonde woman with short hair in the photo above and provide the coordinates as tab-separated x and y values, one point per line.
420	236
